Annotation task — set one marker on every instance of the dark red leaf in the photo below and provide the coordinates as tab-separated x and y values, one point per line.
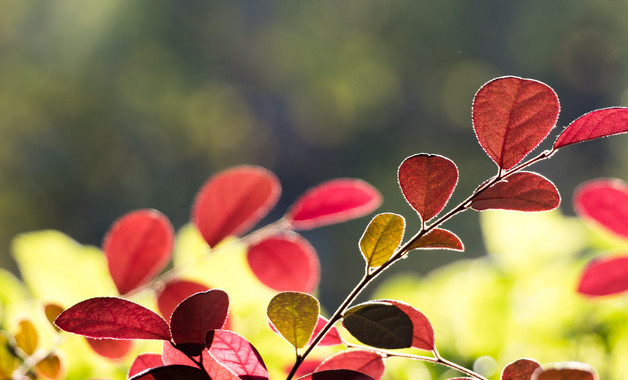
172	372
112	317
174	292
237	354
439	238
422	331
427	181
600	123
379	324
604	201
332	338
138	246
110	348
522	191
604	276
143	362
232	201
521	369
565	371
195	316
336	374
214	369
366	362
511	116
333	201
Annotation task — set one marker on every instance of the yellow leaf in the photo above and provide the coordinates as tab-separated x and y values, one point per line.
26	337
381	238
294	315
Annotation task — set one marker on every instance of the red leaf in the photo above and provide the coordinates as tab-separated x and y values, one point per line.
366	362
332	338
174	292
143	362
195	316
236	353
112	317
511	116
138	246
565	371
333	201
600	123
336	374
604	276
285	262
110	348
521	369
232	201
172	372
439	238
427	181
604	201
522	191
307	367
214	369
422	331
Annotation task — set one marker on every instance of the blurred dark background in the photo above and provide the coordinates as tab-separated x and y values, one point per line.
109	106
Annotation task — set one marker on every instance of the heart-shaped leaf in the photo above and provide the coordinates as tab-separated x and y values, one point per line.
112	317
237	354
381	238
379	324
511	116
285	262
172	372
367	362
294	315
605	201
522	191
422	331
110	348
427	181
521	369
593	125
565	371
334	201
438	238
50	367
337	374
195	316
143	362
604	276
174	292
232	201
138	246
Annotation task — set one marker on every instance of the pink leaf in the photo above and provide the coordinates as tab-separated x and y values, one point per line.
232	201
307	367
522	191
366	362
427	181
521	369
604	276
143	362
236	353
111	317
285	262
195	316
110	348
422	331
336	374
215	370
333	201
332	338
439	238
138	246
605	201
600	123
511	116
172	372
174	292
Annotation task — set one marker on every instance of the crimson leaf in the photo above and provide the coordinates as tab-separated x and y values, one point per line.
604	276
337	374
595	124
143	362
565	371
521	369
332	338
438	238
237	354
215	370
604	201
379	324
172	372
174	292
522	191
366	362
110	348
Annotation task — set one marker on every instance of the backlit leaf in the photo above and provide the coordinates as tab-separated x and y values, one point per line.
232	201
26	336
195	316
604	276
138	246
379	324
285	262
9	362
422	331
145	361
174	292
604	201
110	348
381	238
307	367
522	191
565	371
214	369
337	374
600	123
294	315
521	369
332	338
50	367
237	354
52	311
111	317
172	372
511	116
366	362
334	201
438	238
427	181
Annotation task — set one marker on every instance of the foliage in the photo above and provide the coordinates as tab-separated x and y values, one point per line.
196	331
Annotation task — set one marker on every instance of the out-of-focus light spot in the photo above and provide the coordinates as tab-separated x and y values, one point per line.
485	366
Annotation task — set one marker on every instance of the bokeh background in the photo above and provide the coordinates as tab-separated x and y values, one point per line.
109	106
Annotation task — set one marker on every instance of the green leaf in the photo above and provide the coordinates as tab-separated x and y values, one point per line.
381	238
294	315
379	324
